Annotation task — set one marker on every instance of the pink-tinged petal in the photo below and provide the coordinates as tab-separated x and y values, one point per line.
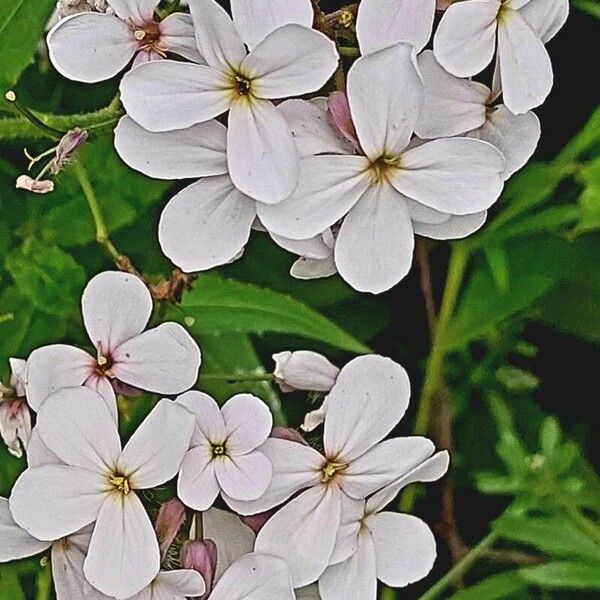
91	46
431	468
164	360
452	105
290	532
155	451
76	425
384	464
458	176
464	42
51	368
248	423
295	467
545	18
200	555
311	130
290	61
124	556
263	159
53	501
171	516
149	93
210	424
255	19
456	227
197	486
116	306
197	151
145	56
102	386
232	538
38	454
382	23
15	425
216	36
206	224
369	398
338	112
525	66
179	584
16	542
329	187
244	477
374	247
356	577
385	121
178	36
255	577
404	548
138	10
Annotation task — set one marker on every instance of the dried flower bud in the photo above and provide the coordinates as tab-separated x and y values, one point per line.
201	555
304	370
68	144
171	517
44	186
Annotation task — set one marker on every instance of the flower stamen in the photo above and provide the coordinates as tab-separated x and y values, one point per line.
330	470
120	483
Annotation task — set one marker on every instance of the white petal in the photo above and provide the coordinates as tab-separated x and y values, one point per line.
368	399
374	247
76	425
291	533
516	136
139	10
525	66
458	175
218	40
102	385
452	105
311	129
206	224
197	486
16	542
197	151
314	247
382	23
18	369
544	17
295	467
423	214
55	500
116	306
232	538
404	548
91	46
38	454
178	36
304	370
353	512
313	268
124	556
384	464
456	227
290	61
244	477
255	577
181	583
248	423
149	93
263	159
385	121
255	19
164	360
154	453
464	42
210	425
328	188
51	368
353	578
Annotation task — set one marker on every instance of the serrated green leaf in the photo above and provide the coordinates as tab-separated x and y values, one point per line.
564	575
509	584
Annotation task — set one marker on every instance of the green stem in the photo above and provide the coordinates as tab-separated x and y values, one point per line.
348	51
581	521
102	234
6	317
44	583
239	378
461	567
387	594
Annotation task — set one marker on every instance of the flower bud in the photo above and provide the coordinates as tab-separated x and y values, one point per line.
257	522
171	517
287	433
15	425
338	112
201	555
304	370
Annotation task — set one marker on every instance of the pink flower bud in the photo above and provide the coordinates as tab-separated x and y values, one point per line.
443	4
171	517
257	522
287	433
304	370
201	555
15	425
338	111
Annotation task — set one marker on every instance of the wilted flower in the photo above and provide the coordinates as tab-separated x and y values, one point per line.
37	186
304	370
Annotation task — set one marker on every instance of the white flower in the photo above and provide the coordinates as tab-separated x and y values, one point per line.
15	418
116	308
96	484
368	399
456	106
471	31
225	454
291	60
93	46
178	584
397	549
304	370
392	185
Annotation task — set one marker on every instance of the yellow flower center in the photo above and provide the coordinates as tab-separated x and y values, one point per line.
380	168
218	450
330	470
120	483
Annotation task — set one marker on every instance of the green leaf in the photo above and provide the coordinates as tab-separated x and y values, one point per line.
564	575
497	261
218	306
508	584
47	276
591	7
21	26
10	587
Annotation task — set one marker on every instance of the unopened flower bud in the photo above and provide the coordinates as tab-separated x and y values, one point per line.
15	425
201	555
257	522
42	186
287	433
304	370
68	144
171	517
338	112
